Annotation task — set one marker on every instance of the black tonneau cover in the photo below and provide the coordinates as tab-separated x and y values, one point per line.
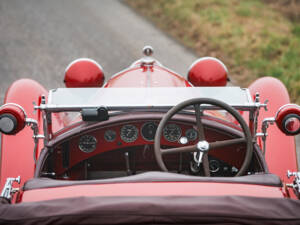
266	179
154	210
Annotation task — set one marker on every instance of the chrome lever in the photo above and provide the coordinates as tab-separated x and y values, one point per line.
198	157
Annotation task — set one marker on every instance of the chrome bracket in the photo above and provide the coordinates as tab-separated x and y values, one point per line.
264	127
256	114
296	183
8	191
36	136
260	105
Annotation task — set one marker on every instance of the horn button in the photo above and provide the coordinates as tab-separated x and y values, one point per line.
203	146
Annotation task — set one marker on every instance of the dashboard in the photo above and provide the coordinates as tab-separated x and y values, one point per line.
128	146
129	133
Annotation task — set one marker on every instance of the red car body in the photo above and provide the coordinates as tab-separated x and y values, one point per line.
17	150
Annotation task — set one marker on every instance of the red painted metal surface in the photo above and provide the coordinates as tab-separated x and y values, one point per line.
142	76
17	150
84	72
280	149
208	71
153	189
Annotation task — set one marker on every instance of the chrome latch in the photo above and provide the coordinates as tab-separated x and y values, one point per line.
296	183
8	190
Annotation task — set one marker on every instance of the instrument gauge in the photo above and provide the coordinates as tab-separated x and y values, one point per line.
172	132
214	166
87	143
148	131
129	133
191	134
110	135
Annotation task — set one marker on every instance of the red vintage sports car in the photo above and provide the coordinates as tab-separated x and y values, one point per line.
149	147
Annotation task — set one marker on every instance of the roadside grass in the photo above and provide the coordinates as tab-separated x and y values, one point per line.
250	37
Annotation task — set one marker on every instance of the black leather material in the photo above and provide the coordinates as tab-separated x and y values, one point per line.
154	210
259	179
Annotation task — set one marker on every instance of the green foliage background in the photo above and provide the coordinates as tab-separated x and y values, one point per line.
253	38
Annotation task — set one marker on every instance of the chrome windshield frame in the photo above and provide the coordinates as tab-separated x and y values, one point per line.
48	108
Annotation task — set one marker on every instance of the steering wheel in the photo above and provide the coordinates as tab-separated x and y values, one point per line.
202	147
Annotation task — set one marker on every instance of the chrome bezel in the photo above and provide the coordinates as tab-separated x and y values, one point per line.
135	136
177	127
87	150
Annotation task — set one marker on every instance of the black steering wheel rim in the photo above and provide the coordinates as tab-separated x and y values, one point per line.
200	101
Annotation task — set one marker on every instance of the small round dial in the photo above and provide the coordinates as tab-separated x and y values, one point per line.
110	135
214	166
87	143
148	131
129	133
172	132
191	134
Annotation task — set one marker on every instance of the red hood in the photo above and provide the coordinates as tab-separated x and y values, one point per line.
147	76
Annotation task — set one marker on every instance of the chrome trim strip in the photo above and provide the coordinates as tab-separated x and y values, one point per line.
148	76
78	108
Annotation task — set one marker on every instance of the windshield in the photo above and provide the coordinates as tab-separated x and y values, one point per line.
66	103
122	98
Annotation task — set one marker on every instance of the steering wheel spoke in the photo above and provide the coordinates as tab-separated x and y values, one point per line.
189	148
200	128
225	143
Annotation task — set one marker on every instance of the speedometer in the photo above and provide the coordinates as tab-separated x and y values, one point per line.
172	132
129	133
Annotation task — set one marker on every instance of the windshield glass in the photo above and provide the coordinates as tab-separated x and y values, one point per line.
66	103
119	98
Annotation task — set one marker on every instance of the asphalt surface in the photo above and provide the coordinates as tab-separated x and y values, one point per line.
39	38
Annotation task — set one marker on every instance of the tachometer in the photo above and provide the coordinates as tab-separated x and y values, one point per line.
129	133
87	143
172	132
148	131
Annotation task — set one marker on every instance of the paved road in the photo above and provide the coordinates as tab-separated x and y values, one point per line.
38	38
